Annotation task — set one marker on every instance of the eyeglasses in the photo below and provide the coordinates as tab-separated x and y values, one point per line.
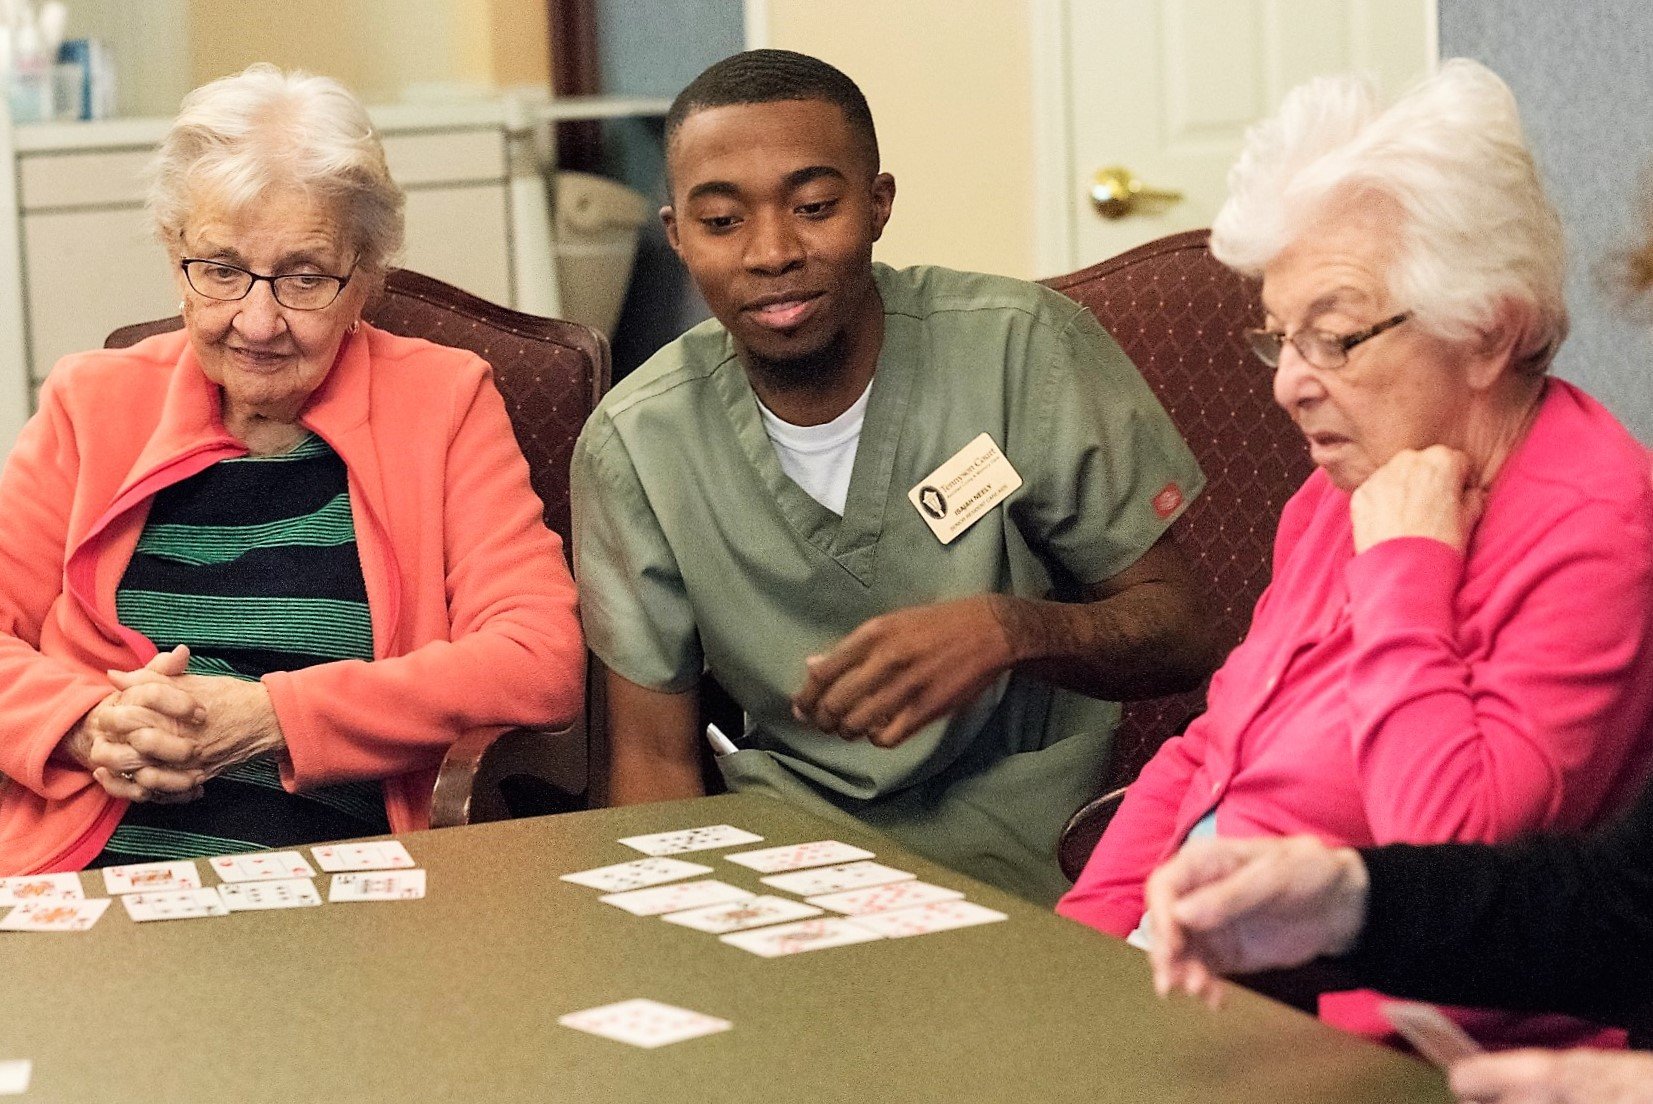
304	291
1324	350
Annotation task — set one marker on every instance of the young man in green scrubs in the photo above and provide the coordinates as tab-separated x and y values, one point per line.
913	521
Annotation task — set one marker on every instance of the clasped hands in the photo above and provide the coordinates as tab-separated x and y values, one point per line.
163	733
900	671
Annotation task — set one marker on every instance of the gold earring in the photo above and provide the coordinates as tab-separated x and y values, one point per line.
350	330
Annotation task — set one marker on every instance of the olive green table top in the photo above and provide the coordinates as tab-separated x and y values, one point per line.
456	997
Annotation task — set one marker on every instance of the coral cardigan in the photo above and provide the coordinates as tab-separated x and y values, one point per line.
472	604
1412	694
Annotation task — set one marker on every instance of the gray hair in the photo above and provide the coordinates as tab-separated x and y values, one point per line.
1479	231
239	137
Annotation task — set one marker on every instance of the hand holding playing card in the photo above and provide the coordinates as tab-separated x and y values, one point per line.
900	671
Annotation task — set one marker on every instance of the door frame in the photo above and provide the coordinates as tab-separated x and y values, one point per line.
1055	215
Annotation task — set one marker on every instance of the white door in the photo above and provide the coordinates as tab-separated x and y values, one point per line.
1165	89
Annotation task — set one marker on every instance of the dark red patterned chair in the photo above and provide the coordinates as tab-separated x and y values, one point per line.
1179	314
551	375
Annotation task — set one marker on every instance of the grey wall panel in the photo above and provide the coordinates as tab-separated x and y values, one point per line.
1582	71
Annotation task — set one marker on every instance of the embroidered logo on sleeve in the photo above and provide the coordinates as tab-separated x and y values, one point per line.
957	495
1168	501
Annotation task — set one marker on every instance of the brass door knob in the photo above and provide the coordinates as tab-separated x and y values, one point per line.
1116	192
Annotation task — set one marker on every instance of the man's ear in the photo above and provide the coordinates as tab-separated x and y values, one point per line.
883	201
668	219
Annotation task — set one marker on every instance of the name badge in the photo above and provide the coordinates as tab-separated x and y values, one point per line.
956	495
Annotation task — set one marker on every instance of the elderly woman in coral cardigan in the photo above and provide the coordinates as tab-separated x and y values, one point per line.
258	575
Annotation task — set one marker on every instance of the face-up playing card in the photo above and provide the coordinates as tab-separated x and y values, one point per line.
754	912
675	898
924	919
40	887
805	935
644	1023
1430	1032
14	1076
288	893
882	898
177	904
375	855
797	856
691	839
59	915
266	867
836	879
151	877
636	875
381	885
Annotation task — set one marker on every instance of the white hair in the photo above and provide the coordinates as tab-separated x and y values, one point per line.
238	138
1478	231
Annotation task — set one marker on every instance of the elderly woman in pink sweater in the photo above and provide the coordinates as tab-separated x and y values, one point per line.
1454	645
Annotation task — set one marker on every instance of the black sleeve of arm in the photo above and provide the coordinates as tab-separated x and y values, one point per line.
1545	924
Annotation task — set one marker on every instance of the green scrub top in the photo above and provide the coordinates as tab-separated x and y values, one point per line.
695	552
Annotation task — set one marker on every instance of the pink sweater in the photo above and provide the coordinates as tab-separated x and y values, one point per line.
1413	694
470	598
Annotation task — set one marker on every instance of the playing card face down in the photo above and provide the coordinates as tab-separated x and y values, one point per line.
174	904
55	915
255	896
636	874
1430	1032
151	877
266	866
883	898
753	912
644	1023
675	898
377	885
708	838
924	919
373	855
836	879
798	856
39	887
805	935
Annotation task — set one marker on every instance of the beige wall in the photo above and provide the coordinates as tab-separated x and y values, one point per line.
952	96
380	48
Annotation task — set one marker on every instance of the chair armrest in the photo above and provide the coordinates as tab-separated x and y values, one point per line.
1082	831
467	784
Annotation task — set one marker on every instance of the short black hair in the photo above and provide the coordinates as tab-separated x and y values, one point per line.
774	76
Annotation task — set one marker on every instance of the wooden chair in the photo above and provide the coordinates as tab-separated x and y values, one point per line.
551	374
1179	315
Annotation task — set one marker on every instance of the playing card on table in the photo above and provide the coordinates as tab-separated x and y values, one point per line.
644	1023
1430	1032
805	935
796	856
266	867
636	874
675	898
882	898
924	919
691	839
14	1076
175	904
39	887
151	877
60	915
379	885
288	893
835	879
375	855
754	912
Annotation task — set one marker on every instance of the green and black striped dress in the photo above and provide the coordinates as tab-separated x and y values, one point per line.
253	564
